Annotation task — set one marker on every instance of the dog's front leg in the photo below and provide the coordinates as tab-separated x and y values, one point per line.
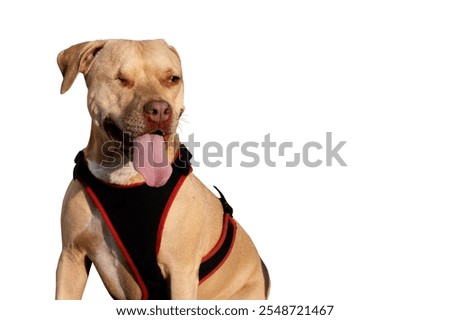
71	275
183	284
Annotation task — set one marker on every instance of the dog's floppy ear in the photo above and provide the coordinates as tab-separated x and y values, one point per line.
77	58
175	51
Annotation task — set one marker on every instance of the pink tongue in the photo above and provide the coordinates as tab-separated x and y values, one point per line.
150	159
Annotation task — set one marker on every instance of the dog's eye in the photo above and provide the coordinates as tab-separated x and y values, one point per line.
174	79
125	81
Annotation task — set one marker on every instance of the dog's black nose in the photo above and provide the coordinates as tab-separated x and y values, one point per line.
158	111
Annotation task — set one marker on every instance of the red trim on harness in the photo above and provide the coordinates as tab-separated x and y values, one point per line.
227	218
166	211
119	242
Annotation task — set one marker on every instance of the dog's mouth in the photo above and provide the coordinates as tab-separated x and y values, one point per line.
125	138
147	151
159	133
115	133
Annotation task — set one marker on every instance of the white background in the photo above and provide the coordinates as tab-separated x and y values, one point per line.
371	238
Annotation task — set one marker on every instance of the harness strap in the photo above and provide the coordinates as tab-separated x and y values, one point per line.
226	207
137	230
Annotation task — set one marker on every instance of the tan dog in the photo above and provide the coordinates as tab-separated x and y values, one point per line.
135	90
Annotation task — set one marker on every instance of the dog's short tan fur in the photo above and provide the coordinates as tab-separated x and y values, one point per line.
122	77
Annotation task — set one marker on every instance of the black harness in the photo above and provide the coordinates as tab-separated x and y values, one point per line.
135	215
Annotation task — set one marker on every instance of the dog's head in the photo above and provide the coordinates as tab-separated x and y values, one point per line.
135	89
